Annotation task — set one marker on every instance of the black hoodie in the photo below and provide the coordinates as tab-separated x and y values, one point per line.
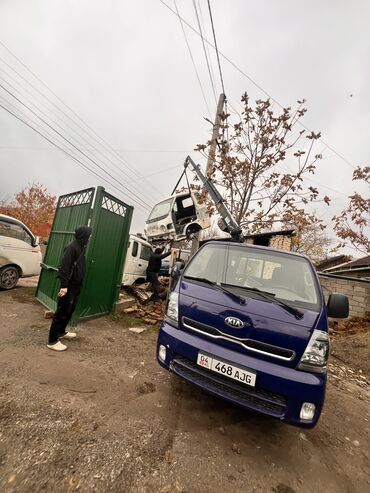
72	268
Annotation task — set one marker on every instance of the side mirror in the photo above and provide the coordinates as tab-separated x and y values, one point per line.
36	241
45	242
176	269
338	306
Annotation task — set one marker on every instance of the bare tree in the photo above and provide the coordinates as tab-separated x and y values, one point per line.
311	238
261	166
352	224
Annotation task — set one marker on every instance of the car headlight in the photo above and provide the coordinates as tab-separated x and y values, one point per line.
172	314
315	357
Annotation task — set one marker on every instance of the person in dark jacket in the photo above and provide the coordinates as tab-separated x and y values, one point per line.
152	271
71	275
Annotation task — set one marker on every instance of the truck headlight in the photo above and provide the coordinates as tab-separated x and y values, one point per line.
315	357
173	309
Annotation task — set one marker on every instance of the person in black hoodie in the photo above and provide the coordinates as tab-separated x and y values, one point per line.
71	274
152	271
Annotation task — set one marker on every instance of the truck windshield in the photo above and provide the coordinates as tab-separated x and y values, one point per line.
287	277
160	210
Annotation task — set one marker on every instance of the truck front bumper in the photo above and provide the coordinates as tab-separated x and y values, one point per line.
279	391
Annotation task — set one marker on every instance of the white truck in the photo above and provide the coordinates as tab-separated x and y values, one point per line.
177	217
137	258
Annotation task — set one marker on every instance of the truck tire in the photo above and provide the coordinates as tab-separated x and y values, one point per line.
191	229
8	277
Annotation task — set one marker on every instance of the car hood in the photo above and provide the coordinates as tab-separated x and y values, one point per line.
268	332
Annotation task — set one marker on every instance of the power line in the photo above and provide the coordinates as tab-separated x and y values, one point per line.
163	171
214	38
78	161
58	125
192	58
205	51
255	83
59	109
133	151
70	143
107	146
206	44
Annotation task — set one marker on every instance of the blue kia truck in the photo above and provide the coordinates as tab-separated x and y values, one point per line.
250	324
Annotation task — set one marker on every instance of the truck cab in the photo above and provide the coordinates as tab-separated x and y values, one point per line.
250	325
177	217
137	259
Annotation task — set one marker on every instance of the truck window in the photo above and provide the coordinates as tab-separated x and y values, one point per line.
288	277
145	252
160	210
208	263
187	202
16	231
135	248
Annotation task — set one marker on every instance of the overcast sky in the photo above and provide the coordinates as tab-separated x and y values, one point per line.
124	68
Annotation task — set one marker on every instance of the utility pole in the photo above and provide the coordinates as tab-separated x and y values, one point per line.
211	157
215	134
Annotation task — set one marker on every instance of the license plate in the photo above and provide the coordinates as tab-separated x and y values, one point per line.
224	368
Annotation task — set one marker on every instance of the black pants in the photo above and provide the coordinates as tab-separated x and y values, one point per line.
152	277
66	307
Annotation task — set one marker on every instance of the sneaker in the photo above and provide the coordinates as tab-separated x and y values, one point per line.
69	335
58	346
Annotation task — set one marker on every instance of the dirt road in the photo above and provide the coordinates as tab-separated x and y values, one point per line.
104	417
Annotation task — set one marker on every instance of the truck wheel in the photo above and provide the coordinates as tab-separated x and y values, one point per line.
8	277
193	228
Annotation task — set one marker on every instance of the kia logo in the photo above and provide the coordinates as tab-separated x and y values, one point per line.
234	322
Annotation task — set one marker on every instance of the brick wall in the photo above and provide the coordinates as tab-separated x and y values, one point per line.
358	292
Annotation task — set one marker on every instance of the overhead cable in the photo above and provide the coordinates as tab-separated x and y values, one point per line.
78	161
215	41
205	51
91	130
120	171
192	59
254	82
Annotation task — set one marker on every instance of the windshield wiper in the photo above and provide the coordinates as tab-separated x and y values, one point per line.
272	297
241	300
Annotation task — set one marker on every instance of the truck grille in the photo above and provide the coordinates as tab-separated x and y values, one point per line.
257	399
250	344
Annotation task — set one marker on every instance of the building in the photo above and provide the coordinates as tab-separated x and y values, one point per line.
357	269
332	262
274	239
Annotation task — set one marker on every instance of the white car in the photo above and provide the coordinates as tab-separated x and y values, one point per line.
20	254
177	217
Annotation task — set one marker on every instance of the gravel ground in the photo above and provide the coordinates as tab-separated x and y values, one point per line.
104	417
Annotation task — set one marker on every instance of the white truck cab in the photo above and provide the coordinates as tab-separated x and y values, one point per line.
177	217
137	258
20	254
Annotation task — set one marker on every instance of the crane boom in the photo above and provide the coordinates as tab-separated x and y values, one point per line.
229	223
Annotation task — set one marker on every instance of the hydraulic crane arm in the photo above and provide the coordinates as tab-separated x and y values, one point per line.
229	223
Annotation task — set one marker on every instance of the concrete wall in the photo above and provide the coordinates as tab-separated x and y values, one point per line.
358	292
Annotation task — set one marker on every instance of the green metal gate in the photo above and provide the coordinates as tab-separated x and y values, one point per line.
110	221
